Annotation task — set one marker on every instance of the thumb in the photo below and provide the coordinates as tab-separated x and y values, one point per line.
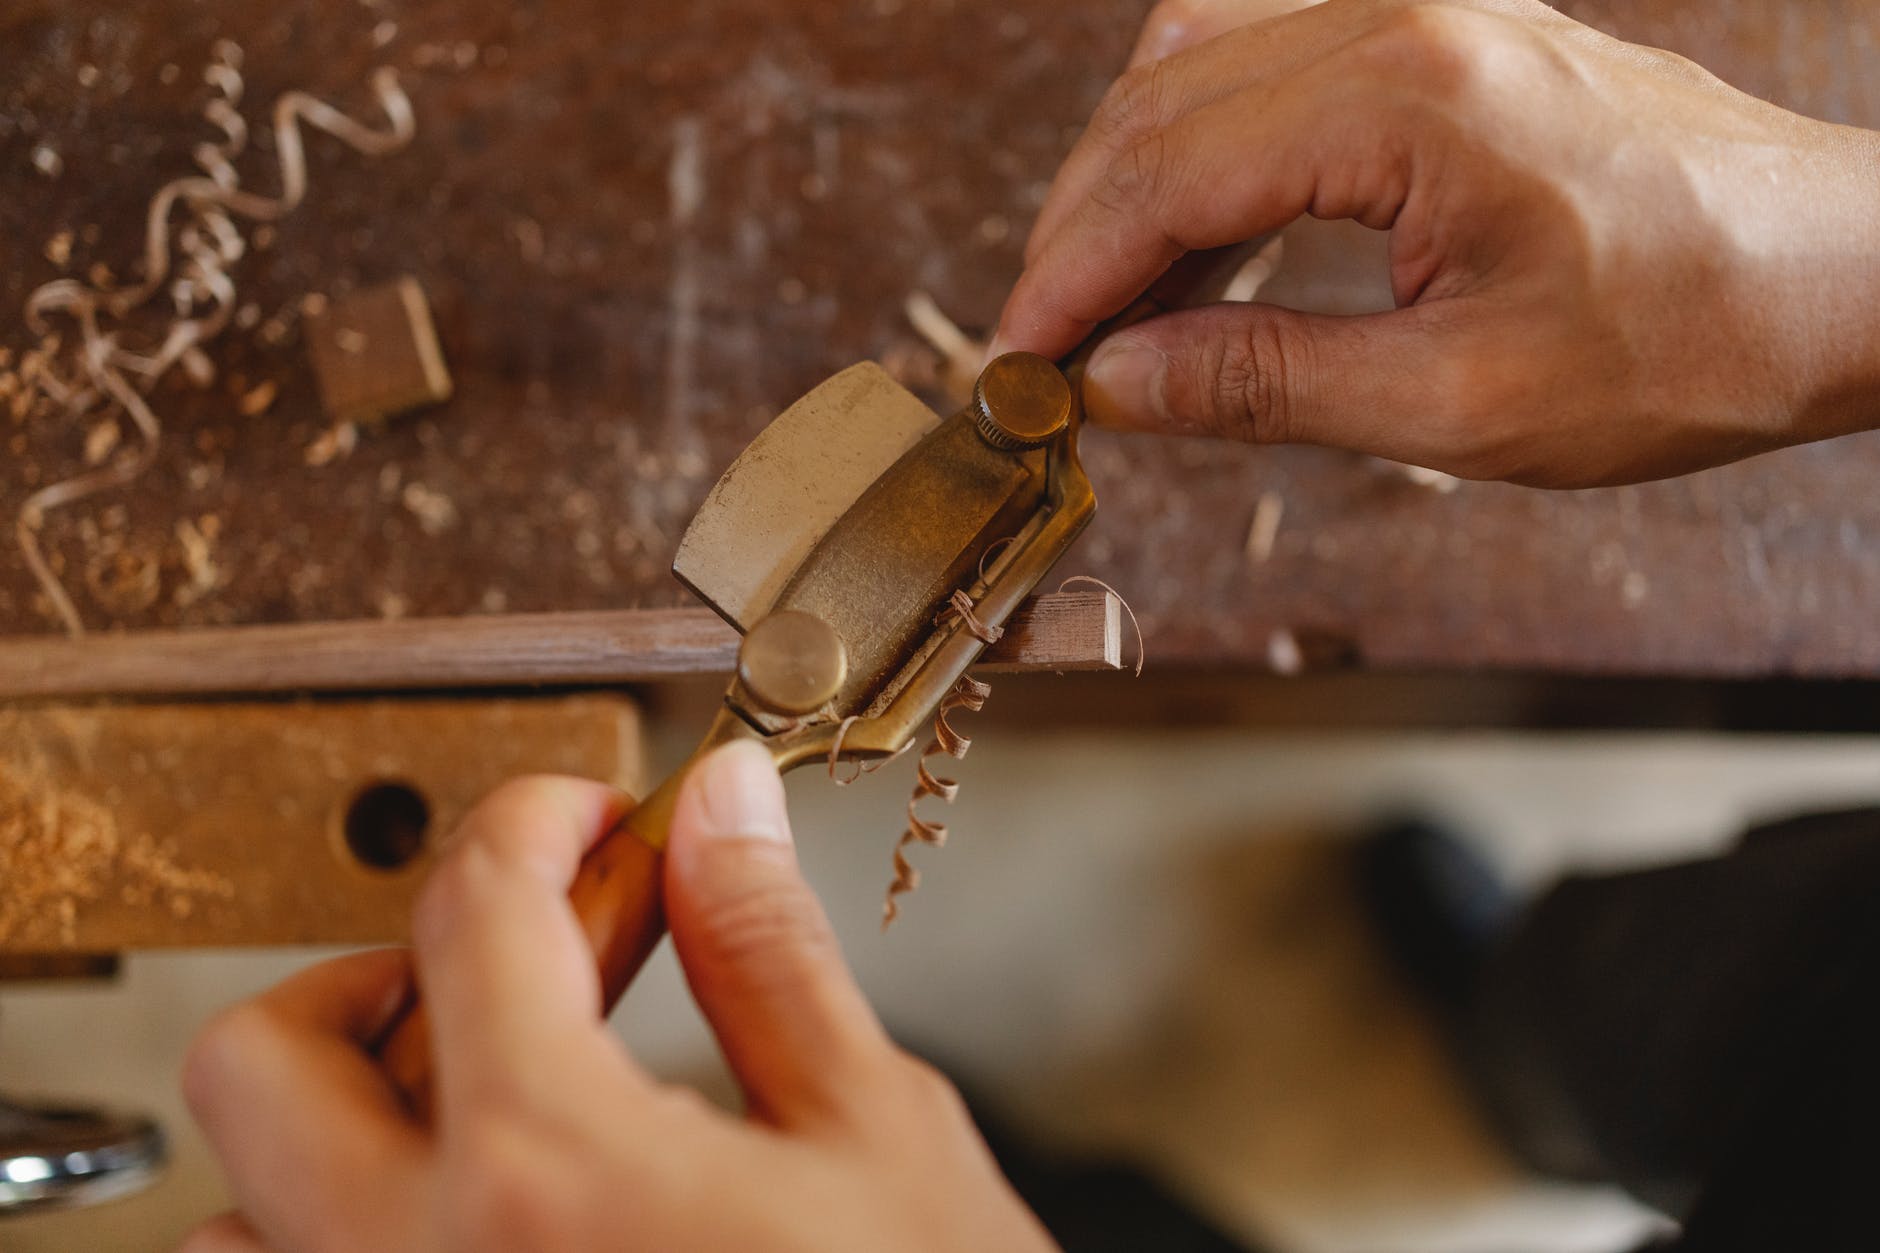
1268	375
757	948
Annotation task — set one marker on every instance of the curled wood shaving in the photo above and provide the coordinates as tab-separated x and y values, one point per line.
861	767
1435	480
959	608
961	356
1256	271
187	256
969	694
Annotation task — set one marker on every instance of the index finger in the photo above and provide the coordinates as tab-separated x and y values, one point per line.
300	1117
506	973
1183	63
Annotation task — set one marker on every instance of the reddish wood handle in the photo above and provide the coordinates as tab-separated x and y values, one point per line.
617	895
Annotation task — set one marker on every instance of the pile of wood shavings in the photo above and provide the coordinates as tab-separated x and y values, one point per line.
102	374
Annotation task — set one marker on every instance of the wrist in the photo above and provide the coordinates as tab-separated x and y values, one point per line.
1843	395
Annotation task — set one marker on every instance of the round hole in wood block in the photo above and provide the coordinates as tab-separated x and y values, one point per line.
385	826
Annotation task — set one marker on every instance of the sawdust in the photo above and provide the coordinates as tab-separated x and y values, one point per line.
102	440
59	249
1264	532
62	853
259	399
196	538
960	356
1435	480
435	512
333	444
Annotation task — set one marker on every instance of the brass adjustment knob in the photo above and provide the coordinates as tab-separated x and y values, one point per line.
1021	401
792	663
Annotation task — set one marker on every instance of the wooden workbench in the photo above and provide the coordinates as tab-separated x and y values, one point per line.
645	228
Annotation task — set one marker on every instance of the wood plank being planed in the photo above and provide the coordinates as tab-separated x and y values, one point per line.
1064	631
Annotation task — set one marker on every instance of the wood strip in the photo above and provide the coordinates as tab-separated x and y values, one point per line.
1066	631
57	967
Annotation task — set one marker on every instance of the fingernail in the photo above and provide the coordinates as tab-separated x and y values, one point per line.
1125	384
1000	345
742	794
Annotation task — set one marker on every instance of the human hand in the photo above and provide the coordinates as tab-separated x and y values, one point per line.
1608	265
548	1134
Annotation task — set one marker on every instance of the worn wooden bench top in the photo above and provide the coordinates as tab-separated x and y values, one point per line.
645	228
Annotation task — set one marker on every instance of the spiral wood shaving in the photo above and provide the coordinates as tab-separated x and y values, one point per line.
969	694
201	244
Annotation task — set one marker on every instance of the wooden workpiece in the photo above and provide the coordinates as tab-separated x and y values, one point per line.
1066	631
266	823
645	230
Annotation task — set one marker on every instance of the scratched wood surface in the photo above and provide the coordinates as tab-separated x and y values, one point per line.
646	228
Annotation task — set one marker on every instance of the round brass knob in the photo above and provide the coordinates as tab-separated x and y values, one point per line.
1021	401
792	663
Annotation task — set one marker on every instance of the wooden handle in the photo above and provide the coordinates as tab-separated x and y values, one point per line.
617	896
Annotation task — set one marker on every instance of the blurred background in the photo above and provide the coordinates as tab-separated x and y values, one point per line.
1138	946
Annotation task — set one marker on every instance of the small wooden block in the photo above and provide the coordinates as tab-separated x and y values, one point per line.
1062	632
376	355
261	823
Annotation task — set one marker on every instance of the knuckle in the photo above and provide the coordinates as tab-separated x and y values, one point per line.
215	1236
1475	421
929	1089
1440	48
1136	177
223	1050
505	1192
1252	383
492	820
1133	105
680	1104
448	898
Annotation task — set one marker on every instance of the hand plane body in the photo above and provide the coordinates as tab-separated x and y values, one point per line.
867	550
952	513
